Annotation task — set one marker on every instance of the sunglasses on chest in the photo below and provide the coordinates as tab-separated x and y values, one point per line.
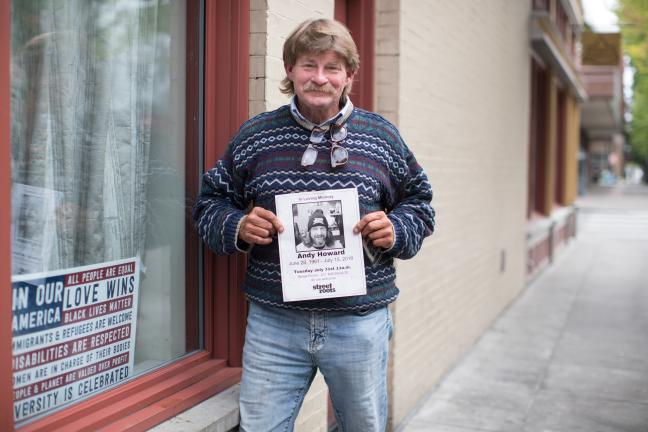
335	135
333	131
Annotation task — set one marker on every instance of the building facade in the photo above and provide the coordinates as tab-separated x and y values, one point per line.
112	111
557	93
602	119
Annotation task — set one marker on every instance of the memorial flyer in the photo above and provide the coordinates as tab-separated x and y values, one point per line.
73	334
320	256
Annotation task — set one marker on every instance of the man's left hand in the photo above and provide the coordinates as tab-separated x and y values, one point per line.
377	227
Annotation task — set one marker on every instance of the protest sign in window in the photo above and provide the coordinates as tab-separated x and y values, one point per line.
99	197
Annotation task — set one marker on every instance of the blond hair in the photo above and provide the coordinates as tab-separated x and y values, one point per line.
316	37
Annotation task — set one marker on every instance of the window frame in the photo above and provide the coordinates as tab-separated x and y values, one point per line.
156	396
6	410
360	16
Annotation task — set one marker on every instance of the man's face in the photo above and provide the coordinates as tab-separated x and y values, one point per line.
319	80
318	236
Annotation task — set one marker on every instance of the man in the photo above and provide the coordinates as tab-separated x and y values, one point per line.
317	142
318	235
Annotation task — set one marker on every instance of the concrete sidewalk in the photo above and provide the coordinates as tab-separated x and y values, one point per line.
571	353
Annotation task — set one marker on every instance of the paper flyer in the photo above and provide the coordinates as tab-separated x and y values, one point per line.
320	256
73	334
33	226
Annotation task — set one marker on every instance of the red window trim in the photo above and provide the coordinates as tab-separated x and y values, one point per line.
157	396
359	17
6	409
537	140
533	126
226	107
561	125
192	138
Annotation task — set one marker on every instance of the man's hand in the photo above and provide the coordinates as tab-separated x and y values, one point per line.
378	228
259	226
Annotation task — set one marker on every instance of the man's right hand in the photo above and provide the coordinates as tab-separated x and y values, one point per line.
259	226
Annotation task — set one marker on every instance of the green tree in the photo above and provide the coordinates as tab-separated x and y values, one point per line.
633	19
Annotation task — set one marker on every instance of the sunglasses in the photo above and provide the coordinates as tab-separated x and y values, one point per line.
339	155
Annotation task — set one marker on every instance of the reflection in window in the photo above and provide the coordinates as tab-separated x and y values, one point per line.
98	149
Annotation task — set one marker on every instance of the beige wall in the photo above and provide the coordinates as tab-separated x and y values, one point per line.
271	21
461	92
572	137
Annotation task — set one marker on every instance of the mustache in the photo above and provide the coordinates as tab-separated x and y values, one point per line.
323	89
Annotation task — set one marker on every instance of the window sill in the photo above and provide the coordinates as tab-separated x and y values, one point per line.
147	401
218	413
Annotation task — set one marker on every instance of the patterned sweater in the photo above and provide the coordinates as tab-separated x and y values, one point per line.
264	159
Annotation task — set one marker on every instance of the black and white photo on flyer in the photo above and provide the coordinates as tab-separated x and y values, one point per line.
320	257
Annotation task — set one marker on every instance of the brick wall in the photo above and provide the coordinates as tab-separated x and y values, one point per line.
387	76
271	21
454	75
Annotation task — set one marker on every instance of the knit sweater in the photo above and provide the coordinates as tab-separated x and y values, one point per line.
264	160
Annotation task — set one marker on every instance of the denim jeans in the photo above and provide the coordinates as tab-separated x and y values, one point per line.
283	350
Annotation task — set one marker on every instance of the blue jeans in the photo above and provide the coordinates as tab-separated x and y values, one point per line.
283	350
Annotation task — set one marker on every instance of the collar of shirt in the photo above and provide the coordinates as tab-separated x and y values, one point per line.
338	119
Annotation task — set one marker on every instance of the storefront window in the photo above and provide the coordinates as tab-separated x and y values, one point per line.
99	207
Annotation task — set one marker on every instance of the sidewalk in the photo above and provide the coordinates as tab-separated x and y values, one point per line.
571	354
